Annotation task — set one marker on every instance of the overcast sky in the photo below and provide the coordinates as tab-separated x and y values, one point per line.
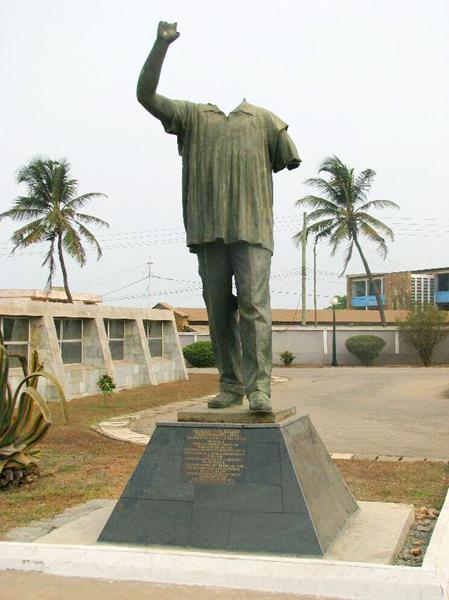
366	80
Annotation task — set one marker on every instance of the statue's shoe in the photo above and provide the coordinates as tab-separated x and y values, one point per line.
259	402
225	399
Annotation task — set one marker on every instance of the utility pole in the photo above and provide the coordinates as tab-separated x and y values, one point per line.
314	285
149	264
303	269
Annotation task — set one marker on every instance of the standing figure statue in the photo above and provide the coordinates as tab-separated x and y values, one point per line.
227	194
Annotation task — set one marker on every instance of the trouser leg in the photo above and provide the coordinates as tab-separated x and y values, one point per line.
215	269
251	266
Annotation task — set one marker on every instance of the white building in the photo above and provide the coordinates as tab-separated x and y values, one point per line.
79	342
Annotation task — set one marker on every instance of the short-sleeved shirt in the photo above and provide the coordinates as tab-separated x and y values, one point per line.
227	165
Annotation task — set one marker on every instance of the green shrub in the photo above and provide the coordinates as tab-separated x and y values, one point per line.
365	347
424	329
287	357
106	385
199	354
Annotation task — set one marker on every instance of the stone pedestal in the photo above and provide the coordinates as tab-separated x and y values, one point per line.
239	487
233	414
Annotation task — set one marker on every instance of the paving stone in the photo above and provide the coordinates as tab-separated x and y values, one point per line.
337	456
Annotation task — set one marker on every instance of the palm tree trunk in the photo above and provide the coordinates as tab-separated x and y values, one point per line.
371	281
63	269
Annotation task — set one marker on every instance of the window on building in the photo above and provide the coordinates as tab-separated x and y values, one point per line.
70	337
377	283
358	288
443	282
154	331
423	289
16	337
115	330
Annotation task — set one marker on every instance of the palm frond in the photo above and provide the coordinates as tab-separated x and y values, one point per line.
90	238
339	235
374	236
49	261
31	233
37	175
362	184
378	204
342	178
324	212
31	202
89	219
347	257
326	187
21	214
317	202
314	229
363	217
80	201
72	243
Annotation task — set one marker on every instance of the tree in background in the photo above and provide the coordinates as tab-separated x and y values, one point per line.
424	329
51	207
342	303
341	215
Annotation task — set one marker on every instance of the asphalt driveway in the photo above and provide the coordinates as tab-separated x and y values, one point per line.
375	410
392	411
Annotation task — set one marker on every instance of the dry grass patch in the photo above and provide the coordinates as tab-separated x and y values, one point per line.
417	483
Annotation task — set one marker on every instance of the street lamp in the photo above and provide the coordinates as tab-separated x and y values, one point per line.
334	302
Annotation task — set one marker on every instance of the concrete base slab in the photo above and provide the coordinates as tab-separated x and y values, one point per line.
375	535
300	577
83	531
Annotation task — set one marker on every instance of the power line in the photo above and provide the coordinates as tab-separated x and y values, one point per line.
167	241
126	286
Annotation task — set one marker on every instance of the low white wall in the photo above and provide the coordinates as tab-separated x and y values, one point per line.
313	345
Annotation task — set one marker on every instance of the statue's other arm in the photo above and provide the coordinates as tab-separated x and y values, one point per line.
157	105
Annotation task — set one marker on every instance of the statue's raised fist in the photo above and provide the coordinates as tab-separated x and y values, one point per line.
167	31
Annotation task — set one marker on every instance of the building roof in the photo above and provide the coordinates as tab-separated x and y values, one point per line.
166	306
413	271
55	294
284	316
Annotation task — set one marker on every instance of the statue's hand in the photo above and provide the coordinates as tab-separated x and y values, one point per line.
167	31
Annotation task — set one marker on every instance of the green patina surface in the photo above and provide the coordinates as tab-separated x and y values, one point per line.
227	190
227	163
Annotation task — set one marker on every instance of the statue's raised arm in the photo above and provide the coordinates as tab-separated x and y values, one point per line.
156	104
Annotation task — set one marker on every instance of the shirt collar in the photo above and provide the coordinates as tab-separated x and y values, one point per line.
242	107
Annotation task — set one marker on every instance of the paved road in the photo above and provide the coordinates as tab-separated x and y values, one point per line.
402	411
34	586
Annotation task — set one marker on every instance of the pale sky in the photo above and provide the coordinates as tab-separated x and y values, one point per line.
366	80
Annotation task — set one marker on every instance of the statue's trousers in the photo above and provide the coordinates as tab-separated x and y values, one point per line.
240	328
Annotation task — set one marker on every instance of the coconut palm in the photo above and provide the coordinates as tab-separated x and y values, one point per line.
341	215
51	207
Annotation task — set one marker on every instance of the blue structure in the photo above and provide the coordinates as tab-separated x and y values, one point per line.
400	289
442	297
366	301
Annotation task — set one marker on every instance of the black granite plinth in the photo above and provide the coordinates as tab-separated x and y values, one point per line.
269	488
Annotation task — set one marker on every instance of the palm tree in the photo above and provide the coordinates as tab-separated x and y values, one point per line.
51	205
342	214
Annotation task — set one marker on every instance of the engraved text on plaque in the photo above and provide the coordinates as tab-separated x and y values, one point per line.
214	456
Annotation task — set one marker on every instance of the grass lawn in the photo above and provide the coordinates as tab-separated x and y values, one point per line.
79	464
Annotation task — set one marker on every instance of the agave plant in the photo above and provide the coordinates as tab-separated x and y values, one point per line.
24	413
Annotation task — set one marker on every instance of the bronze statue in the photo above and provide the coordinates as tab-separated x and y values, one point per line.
227	190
